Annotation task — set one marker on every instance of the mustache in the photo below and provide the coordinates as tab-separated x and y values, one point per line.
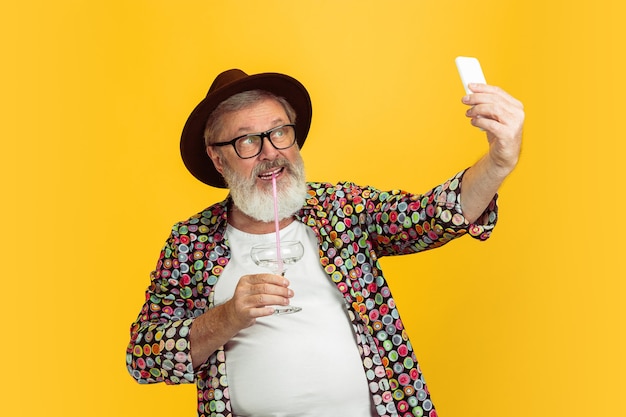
270	165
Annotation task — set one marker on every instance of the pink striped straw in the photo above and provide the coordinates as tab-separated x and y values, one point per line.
277	227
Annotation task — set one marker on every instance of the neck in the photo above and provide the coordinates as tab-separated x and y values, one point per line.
240	220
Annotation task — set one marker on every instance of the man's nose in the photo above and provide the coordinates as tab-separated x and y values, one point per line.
268	151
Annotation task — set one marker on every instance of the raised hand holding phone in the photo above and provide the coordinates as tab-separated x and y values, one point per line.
501	117
493	111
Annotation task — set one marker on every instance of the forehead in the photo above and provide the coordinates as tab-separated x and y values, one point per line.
258	117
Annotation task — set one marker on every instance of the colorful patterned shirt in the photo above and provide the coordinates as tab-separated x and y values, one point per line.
355	226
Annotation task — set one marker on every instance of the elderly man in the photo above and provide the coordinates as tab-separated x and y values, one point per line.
209	315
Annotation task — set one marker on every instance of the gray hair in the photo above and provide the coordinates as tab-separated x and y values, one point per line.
238	102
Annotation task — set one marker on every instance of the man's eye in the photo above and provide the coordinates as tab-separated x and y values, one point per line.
249	140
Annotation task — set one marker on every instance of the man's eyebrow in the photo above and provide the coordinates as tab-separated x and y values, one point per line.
244	130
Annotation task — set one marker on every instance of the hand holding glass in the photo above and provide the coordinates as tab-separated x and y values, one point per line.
265	255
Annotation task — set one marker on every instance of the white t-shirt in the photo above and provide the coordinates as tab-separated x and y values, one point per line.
296	365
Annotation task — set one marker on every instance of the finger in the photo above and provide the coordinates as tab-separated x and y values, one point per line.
250	315
488	111
507	115
255	279
262	312
488	125
484	88
270	288
246	309
264	300
484	93
498	128
486	98
263	289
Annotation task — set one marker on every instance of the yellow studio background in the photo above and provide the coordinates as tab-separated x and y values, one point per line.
95	95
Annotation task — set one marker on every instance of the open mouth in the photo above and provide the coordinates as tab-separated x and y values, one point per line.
269	174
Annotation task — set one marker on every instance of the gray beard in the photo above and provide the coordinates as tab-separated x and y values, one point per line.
259	203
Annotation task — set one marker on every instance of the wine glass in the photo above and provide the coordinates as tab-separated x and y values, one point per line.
264	255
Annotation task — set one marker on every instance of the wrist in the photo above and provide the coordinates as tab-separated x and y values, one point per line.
499	168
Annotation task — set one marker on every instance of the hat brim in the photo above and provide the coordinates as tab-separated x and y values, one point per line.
192	147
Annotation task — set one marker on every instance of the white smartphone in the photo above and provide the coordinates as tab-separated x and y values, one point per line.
470	71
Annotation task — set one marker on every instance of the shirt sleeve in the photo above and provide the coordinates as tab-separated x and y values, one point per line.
159	349
402	222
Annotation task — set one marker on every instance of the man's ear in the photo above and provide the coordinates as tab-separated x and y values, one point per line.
216	158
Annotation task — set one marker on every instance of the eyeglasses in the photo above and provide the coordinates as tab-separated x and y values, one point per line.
250	145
